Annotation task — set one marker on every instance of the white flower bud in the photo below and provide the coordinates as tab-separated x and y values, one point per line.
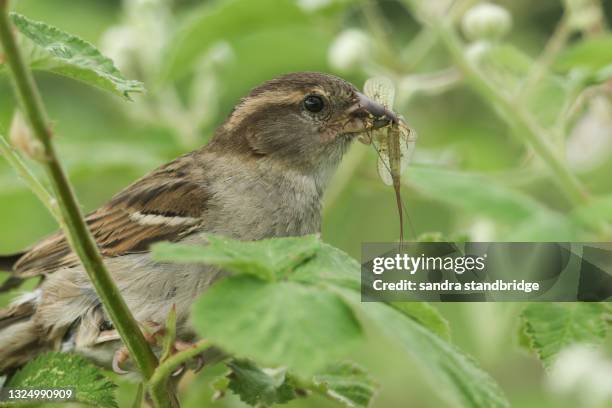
486	21
349	50
589	144
476	51
583	372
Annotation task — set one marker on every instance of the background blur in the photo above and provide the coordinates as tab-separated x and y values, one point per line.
470	178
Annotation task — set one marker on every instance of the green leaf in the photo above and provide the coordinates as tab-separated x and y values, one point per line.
347	383
283	323
553	326
267	259
427	315
456	375
67	370
592	54
65	54
259	386
474	193
227	21
522	338
330	265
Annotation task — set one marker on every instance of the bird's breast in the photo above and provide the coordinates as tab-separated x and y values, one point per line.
265	205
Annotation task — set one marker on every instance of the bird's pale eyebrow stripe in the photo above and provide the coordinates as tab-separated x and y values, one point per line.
254	103
156	219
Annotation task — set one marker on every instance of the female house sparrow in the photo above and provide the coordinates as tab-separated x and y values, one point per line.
262	175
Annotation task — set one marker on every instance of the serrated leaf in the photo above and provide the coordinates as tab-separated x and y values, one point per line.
68	55
522	338
259	386
347	383
67	370
553	326
332	266
454	374
282	323
268	259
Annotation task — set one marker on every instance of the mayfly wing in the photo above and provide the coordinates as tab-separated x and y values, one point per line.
381	90
384	165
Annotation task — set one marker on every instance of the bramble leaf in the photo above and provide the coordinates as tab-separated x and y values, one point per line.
551	327
69	371
268	259
347	383
329	265
255	385
311	317
282	323
56	51
456	375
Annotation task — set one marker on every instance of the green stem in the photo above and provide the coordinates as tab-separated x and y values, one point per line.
542	65
518	118
24	172
76	230
158	382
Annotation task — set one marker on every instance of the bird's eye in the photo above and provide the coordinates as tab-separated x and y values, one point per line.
314	103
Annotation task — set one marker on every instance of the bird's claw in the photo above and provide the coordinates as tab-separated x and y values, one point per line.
122	354
179	370
199	363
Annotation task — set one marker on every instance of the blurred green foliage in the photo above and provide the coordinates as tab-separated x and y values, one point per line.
471	175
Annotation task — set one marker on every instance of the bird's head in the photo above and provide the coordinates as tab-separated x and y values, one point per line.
305	120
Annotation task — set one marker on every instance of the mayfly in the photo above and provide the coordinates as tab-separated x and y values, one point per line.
394	143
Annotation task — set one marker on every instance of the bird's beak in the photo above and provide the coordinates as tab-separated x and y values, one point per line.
367	114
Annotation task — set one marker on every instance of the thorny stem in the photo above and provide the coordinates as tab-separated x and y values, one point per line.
76	230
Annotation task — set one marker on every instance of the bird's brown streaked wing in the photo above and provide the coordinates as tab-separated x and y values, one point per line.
156	208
